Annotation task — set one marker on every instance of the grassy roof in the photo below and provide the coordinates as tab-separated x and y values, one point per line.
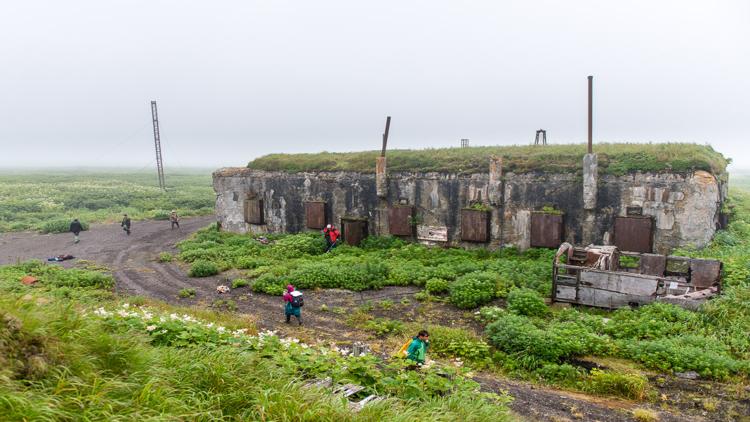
613	159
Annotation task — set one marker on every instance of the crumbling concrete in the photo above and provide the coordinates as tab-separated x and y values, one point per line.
685	207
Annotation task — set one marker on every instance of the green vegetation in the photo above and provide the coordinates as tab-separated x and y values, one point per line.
473	277
165	257
70	350
613	159
239	282
203	269
48	201
186	293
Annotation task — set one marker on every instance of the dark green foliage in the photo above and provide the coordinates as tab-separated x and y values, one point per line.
616	159
474	289
384	327
239	282
186	293
526	302
203	268
436	285
270	284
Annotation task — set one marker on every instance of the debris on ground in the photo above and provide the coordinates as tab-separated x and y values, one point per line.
222	289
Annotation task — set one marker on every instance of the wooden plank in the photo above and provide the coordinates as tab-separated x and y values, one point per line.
626	283
612	300
254	211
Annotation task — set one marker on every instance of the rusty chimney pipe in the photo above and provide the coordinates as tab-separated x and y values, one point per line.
591	114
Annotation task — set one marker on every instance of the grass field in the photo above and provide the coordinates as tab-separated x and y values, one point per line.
48	200
613	159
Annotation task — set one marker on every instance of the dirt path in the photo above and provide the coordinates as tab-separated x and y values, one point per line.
132	260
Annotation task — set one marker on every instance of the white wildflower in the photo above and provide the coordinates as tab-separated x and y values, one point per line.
151	328
220	329
173	316
126	305
163	331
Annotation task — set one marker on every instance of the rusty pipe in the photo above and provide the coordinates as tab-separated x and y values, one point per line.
591	114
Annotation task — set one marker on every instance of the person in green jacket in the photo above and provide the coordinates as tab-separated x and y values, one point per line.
418	347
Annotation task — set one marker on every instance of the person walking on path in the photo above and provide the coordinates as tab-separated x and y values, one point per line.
174	219
332	235
125	224
293	304
76	228
417	350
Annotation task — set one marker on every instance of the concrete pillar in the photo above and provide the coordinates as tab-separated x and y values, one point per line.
590	178
495	191
381	181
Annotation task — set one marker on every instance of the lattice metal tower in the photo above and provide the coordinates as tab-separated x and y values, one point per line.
464	143
157	146
541	137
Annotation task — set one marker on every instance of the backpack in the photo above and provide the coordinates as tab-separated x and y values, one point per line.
402	352
297	300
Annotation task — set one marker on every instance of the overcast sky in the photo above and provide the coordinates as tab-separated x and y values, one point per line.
238	79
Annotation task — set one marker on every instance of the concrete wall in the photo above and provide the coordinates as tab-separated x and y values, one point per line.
684	206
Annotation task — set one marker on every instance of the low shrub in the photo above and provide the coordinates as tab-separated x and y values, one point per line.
165	257
384	327
239	282
270	284
203	269
186	293
473	289
632	386
60	225
526	302
436	285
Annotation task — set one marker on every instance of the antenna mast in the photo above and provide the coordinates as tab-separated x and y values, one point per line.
157	146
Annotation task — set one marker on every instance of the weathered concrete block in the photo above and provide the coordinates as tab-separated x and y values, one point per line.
381	179
590	179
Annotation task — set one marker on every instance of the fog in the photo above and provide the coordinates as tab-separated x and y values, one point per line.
238	79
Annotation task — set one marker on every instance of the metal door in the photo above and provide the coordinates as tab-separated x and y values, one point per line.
634	234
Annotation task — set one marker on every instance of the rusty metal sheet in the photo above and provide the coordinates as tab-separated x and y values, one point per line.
653	264
475	225
546	230
400	220
254	211
354	231
315	214
704	272
634	234
432	233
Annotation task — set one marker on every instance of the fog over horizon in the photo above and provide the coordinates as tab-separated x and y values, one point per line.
235	80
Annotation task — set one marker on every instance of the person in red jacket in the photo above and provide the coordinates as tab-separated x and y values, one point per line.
332	236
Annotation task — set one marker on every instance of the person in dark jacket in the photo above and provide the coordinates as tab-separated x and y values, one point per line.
125	224
290	310
76	228
417	350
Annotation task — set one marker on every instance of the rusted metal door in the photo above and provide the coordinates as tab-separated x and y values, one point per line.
475	225
354	230
400	220
546	230
315	214
254	211
634	234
